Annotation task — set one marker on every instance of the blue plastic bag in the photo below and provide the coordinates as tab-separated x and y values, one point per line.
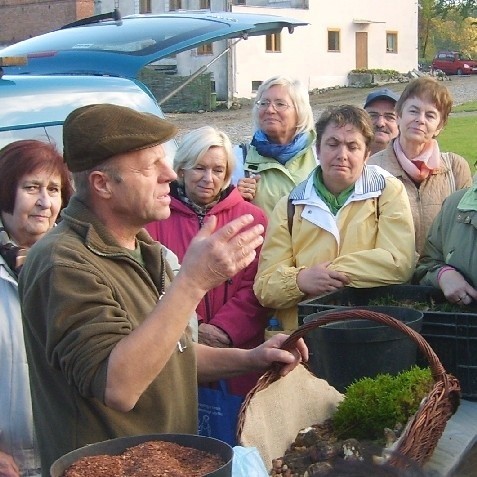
218	413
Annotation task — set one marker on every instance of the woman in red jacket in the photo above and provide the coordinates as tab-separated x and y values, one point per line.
229	315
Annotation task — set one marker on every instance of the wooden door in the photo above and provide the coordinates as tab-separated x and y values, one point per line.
361	50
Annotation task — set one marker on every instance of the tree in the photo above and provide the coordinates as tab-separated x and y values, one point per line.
441	25
465	8
427	14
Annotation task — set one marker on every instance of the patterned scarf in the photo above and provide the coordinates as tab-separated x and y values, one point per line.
280	152
421	166
200	210
13	255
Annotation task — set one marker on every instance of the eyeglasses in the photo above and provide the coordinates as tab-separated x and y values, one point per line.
389	117
277	105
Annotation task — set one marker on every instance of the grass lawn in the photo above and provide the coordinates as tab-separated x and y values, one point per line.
470	106
460	136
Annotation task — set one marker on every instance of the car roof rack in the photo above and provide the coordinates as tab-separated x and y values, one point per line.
114	15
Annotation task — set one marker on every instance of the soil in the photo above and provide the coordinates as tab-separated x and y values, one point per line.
149	459
444	307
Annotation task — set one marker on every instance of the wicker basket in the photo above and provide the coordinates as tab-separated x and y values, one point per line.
424	429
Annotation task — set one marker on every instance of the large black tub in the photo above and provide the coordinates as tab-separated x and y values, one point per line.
117	446
344	351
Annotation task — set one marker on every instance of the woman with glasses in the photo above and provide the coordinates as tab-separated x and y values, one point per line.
414	157
281	151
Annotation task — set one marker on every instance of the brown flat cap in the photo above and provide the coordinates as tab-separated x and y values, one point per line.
94	133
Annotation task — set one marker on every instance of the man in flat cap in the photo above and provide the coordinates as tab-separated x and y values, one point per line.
380	106
108	344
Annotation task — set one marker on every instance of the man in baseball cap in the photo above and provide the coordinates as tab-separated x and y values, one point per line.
380	106
106	327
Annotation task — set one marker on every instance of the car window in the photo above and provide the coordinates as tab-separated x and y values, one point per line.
35	107
52	134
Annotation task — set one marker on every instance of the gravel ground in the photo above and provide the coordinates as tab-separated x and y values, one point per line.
237	122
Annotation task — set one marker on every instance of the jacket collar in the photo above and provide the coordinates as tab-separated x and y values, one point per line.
371	182
84	222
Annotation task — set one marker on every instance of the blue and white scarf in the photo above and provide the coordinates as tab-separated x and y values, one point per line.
280	152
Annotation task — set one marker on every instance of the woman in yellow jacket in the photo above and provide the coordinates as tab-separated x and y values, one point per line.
349	224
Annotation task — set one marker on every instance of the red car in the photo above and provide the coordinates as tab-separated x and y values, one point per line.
454	63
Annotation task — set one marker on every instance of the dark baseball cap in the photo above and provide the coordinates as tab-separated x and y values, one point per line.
94	133
384	93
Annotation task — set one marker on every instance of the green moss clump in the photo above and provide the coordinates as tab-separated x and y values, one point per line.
373	404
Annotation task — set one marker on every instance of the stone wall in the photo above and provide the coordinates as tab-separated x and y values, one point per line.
196	96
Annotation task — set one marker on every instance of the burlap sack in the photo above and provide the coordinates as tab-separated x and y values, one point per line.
274	415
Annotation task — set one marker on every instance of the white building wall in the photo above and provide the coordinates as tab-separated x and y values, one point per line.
304	53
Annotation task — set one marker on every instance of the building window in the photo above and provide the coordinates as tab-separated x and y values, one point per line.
391	42
205	49
333	40
205	4
145	6
273	43
256	85
175	5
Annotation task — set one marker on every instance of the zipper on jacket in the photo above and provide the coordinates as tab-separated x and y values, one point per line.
207	308
226	289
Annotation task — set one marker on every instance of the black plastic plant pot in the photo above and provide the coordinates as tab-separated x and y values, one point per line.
117	446
452	334
344	351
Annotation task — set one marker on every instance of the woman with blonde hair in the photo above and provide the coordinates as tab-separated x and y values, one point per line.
229	315
415	158
281	153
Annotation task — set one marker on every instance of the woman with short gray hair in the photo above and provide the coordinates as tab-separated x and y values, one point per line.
230	314
195	145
